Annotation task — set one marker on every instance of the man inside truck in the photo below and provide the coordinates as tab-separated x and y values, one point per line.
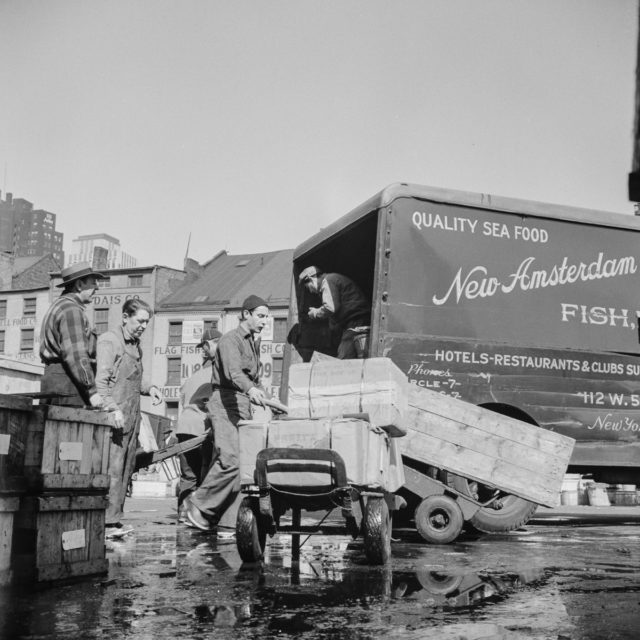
344	303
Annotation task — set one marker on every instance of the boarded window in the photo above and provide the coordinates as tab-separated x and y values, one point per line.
174	366
3	308
175	332
135	281
276	372
101	320
2	341
29	308
279	329
104	283
26	339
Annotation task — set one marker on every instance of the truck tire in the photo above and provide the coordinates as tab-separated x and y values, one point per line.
514	512
439	519
377	531
250	534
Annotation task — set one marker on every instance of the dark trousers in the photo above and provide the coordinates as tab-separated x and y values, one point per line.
220	488
56	381
194	465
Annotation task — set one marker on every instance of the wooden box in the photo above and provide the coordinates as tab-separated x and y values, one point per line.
332	388
8	507
59	536
493	449
67	449
371	458
15	413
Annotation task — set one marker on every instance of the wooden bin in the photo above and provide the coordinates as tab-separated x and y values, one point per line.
59	536
15	412
8	507
67	449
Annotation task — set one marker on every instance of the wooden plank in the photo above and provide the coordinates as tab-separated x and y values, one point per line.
477	466
106	451
74	482
469	437
489	421
86	465
15	403
72	502
73	414
50	446
76	569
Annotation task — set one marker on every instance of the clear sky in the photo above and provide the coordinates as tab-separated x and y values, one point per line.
253	123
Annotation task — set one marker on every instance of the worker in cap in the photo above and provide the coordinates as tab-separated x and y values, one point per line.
68	341
194	421
236	385
343	303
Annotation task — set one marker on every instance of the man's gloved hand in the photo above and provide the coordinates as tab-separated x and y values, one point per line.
156	395
96	401
118	419
313	312
257	396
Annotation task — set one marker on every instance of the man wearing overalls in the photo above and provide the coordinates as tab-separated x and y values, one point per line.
119	381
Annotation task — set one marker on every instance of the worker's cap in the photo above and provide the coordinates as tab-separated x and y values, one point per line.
208	335
253	302
77	271
307	273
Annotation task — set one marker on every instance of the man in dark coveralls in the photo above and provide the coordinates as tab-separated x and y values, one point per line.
236	384
344	304
68	342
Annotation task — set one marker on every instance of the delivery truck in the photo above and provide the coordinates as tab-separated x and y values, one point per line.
524	308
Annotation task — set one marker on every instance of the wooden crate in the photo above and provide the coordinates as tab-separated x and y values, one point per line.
8	507
14	418
516	457
67	449
59	536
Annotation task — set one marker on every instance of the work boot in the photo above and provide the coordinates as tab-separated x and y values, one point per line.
196	517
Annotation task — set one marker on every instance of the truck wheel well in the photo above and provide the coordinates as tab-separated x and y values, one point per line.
510	411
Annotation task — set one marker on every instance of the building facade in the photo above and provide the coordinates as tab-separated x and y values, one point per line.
214	300
101	250
25	231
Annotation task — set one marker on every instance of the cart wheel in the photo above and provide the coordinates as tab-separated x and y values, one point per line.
250	533
437	582
439	519
377	531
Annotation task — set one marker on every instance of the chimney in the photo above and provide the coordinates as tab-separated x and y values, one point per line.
6	270
194	270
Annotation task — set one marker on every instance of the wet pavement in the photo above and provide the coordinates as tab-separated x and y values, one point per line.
572	574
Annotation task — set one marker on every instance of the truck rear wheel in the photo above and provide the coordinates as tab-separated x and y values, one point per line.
513	512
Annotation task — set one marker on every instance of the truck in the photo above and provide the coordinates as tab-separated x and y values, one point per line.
528	309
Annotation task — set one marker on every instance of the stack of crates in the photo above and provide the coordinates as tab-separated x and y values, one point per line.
15	413
58	531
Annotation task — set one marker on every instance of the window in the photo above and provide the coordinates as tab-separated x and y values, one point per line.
135	281
2	341
26	339
171	410
104	283
3	308
210	324
101	320
175	332
276	372
279	329
174	367
29	308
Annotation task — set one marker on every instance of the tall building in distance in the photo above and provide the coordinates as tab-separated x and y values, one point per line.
101	250
25	231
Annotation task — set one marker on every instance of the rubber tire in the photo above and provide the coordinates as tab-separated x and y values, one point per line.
515	512
377	531
250	535
445	506
436	582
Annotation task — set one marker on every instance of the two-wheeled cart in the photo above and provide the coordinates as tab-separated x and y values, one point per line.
303	479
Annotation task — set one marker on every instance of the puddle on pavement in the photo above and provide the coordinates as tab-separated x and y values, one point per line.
186	584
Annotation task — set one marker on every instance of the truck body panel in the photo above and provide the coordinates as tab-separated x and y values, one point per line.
527	308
